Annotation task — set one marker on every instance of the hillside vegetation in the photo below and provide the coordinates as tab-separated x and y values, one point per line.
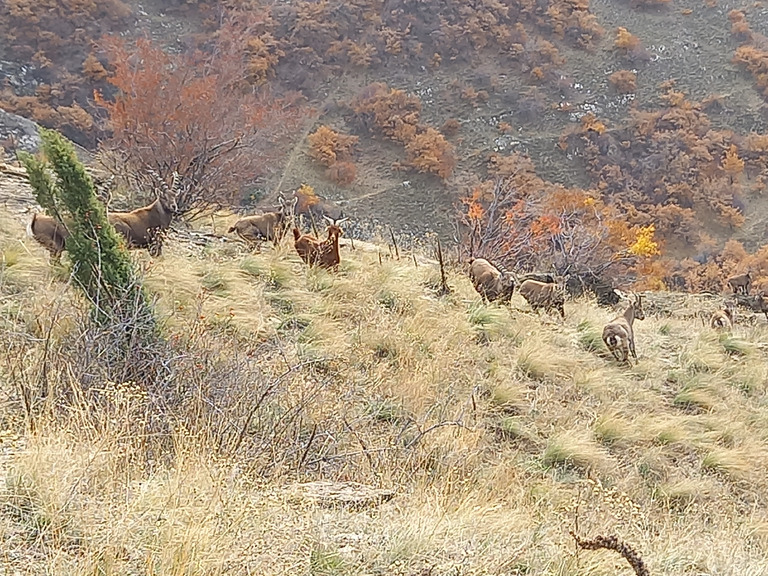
490	432
656	108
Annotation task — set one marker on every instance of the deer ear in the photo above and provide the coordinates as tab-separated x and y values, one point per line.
328	220
341	221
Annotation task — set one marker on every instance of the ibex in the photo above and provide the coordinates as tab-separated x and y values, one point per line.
269	226
619	335
544	277
723	319
49	232
760	303
324	253
307	246
329	256
489	281
144	227
544	295
740	283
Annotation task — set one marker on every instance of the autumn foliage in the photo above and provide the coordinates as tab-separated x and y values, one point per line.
672	168
525	222
194	114
752	55
623	81
328	146
397	115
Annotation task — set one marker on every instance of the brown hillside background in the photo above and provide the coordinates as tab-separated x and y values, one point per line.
656	109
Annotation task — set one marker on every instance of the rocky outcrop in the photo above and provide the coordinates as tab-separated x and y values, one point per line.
18	133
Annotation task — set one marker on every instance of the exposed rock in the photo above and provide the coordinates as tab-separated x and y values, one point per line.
18	131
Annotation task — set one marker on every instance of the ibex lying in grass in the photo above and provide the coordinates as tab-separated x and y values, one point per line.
723	319
49	232
269	226
619	335
324	253
550	296
144	227
489	281
740	283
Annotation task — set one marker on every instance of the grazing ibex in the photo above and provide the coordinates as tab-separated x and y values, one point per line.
723	319
324	253
144	227
550	296
489	281
740	283
619	335
269	226
49	232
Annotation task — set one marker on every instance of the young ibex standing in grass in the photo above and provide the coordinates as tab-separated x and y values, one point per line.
489	281
269	226
619	335
49	232
740	283
144	227
550	296
723	319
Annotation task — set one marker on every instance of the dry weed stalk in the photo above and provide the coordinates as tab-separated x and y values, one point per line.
613	543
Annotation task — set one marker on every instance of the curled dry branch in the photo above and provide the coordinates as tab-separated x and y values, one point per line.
613	543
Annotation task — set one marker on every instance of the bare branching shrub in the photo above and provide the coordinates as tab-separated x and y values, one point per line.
194	114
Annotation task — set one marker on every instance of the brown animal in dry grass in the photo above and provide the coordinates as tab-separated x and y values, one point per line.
145	226
307	246
723	319
329	256
49	232
761	303
490	282
269	226
323	253
619	335
740	283
550	296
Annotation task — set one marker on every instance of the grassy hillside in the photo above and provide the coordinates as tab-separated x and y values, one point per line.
495	430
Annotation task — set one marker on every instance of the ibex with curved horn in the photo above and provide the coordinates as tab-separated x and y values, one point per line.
490	282
619	335
144	227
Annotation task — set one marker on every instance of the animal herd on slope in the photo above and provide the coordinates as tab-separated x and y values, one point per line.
145	227
548	292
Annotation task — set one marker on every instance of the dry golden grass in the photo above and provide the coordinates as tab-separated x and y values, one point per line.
498	430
